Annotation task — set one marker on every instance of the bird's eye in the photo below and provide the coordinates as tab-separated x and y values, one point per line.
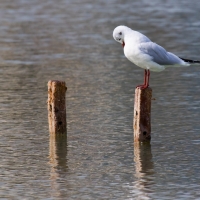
120	33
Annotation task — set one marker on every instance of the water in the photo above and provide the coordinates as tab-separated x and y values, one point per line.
72	41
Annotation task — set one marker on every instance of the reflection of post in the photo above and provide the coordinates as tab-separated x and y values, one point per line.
58	160
143	169
143	158
58	151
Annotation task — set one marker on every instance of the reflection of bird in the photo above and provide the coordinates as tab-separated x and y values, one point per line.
140	50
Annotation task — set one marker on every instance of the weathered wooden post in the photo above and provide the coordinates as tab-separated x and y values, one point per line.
142	115
57	107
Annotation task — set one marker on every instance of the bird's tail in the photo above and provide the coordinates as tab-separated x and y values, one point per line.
190	61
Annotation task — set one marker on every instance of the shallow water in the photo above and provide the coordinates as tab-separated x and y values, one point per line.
72	41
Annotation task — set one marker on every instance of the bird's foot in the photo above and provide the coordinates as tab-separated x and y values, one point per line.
142	87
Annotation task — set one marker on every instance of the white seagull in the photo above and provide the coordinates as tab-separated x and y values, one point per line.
146	54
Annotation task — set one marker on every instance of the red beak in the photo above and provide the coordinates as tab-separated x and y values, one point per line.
123	44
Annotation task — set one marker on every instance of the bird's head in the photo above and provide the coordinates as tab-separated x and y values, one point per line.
119	34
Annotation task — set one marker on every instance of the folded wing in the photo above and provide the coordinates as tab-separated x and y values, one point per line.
159	55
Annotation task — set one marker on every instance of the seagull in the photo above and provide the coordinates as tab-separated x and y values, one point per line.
146	54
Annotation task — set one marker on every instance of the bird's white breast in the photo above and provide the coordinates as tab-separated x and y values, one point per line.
133	54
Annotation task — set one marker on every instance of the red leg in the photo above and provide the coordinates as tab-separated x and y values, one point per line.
148	76
145	77
146	80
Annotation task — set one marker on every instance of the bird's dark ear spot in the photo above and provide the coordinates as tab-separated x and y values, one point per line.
120	33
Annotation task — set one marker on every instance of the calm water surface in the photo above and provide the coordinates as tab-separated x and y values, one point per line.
72	41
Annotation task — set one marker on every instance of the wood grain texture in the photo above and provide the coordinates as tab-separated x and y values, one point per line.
57	107
142	115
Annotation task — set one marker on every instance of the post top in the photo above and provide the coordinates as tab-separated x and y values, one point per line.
146	89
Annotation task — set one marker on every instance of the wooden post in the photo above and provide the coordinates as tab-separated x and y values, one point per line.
57	107
142	115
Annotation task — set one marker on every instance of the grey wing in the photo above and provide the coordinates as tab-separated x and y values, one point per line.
159	55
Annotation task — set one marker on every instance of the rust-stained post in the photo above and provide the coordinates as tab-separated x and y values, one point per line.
57	107
142	115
